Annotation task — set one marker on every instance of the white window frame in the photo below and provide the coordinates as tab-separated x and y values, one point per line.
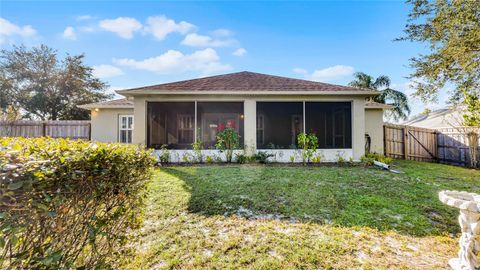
120	128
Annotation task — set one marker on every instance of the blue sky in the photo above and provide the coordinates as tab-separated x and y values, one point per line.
145	42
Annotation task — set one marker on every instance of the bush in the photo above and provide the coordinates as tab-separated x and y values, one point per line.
308	143
164	154
262	157
370	157
67	204
241	158
227	141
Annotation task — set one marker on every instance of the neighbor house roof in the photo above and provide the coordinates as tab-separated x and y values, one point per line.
116	104
441	118
247	83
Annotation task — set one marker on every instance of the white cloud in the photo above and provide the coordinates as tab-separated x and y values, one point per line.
205	61
9	31
331	73
300	70
196	40
239	52
161	26
222	32
69	33
106	71
124	27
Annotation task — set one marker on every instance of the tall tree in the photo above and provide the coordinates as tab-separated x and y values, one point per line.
43	86
451	31
397	99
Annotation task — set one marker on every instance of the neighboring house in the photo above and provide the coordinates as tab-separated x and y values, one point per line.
438	119
267	111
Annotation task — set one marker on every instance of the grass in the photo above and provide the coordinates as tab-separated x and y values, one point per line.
280	217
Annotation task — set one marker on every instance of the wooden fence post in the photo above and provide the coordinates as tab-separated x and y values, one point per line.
405	143
89	131
44	129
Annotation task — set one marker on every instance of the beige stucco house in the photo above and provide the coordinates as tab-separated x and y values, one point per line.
267	111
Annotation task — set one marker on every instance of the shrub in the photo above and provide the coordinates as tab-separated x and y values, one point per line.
317	159
308	143
197	148
262	157
370	157
164	154
241	158
209	159
69	204
227	141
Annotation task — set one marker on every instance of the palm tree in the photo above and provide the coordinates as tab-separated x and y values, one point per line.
395	98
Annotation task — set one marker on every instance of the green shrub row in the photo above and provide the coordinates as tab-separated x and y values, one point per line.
69	204
369	158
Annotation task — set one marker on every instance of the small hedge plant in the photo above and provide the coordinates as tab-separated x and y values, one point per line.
228	140
308	144
368	159
69	204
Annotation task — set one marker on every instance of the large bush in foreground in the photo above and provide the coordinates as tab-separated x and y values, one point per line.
66	204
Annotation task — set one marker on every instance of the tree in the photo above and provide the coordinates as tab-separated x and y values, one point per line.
395	98
451	31
471	116
38	83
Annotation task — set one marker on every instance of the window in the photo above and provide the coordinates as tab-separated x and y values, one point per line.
125	128
214	117
171	124
331	122
279	124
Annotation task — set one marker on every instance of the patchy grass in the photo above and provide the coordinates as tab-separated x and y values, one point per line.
280	217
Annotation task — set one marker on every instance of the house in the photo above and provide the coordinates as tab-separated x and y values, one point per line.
267	111
438	119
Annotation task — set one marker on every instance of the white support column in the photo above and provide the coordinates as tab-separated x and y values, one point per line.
358	128
250	125
304	128
195	124
140	119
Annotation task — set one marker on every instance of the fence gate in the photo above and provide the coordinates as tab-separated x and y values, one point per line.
405	142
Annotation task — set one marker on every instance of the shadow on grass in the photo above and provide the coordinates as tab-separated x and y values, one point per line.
344	196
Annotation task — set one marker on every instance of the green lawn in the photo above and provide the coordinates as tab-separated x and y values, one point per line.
267	217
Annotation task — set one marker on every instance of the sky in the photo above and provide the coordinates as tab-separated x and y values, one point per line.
137	43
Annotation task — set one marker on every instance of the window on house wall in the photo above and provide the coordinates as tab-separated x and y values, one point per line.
125	128
214	117
171	124
331	122
280	124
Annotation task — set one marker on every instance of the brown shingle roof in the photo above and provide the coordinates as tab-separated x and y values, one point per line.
245	82
116	103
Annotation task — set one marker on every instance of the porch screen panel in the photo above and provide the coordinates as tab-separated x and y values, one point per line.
171	124
331	122
278	124
214	117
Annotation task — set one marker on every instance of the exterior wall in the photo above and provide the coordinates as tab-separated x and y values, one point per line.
105	124
358	116
281	156
374	128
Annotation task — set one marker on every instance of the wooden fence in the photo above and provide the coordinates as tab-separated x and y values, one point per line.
55	129
448	146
